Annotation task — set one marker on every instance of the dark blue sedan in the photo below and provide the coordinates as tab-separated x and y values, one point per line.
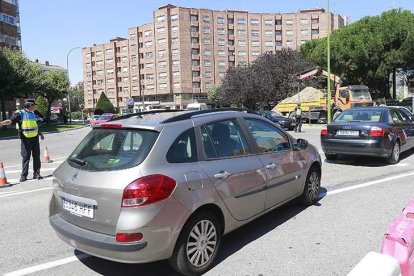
279	119
375	131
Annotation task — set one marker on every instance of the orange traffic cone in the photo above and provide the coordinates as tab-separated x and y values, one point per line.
46	157
3	179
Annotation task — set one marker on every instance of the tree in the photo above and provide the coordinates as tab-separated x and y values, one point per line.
76	99
54	87
369	50
103	105
41	105
269	79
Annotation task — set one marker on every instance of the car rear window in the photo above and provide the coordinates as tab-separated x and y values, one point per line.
359	115
113	149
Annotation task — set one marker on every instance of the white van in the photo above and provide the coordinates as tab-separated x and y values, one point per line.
196	106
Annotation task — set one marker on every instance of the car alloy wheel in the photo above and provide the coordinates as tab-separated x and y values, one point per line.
395	154
310	193
201	243
197	245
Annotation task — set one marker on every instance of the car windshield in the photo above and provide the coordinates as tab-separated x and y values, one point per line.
273	113
105	117
359	115
361	94
112	149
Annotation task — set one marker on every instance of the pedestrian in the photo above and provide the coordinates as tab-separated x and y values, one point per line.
298	116
29	134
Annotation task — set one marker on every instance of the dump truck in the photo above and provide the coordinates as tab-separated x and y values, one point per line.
314	100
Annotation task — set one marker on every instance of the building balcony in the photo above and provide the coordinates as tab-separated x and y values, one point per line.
194	23
231	48
278	27
196	79
195	56
196	90
195	67
231	27
231	37
195	45
278	38
195	34
231	58
315	26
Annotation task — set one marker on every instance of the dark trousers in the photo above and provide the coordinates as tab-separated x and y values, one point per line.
30	146
298	126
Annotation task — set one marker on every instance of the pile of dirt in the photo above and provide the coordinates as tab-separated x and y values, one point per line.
308	94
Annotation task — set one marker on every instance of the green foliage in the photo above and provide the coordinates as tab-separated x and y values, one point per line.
367	51
76	99
41	105
269	79
103	105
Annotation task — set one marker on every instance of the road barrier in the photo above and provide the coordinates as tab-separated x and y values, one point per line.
376	264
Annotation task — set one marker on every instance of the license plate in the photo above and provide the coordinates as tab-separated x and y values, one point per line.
348	132
77	208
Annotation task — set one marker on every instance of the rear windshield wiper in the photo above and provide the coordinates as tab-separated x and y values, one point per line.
78	161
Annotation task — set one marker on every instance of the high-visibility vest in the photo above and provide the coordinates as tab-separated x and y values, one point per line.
299	112
28	124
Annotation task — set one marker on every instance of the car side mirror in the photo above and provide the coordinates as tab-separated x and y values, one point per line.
301	143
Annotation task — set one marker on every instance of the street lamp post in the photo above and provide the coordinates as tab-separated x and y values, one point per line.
67	72
328	46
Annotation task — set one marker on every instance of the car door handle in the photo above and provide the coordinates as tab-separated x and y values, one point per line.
271	166
222	174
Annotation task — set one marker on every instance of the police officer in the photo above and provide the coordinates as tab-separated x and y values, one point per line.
298	115
29	134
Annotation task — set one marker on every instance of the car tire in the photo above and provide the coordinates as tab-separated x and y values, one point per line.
291	128
188	250
310	194
395	154
330	157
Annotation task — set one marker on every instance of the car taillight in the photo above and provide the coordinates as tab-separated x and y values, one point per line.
324	132
147	190
376	132
128	237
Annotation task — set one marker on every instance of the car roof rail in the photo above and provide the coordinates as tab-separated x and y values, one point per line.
191	114
141	114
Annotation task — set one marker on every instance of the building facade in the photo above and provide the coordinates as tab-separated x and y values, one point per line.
185	52
10	24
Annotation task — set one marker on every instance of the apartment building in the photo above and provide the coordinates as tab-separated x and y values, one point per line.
185	52
10	24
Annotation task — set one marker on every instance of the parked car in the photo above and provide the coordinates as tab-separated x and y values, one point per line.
376	131
106	117
169	185
279	119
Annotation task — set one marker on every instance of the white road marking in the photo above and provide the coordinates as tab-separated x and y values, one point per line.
375	182
25	192
19	171
84	256
44	266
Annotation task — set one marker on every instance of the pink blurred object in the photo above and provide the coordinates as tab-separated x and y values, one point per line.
408	210
398	242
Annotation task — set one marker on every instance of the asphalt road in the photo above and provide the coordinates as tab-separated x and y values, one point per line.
360	198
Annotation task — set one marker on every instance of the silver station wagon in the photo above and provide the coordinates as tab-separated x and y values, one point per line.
169	185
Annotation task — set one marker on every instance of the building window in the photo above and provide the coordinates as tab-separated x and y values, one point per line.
174	28
161	30
196	85
206	18
134	68
160	18
254	21
268	22
207	52
195	62
194	40
176	73
208	74
132	36
255	53
99	72
241	32
289	21
289	32
109	71
176	63
304	32
220	20
149	76
148	55
174	17
125	69
255	43
174	40
207	63
278	32
209	85
109	51
315	20
175	52
194	29
269	43
221	42
242	53
110	81
162	64
99	63
163	86
194	18
221	53
162	53
134	58
221	64
206	30
289	43
315	31
268	33
134	88
176	85
196	74
124	49
241	21
150	87
195	51
302	42
148	44
220	31
163	75
149	65
161	41
207	41
110	61
304	21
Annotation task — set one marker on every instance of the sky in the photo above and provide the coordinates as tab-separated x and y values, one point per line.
50	29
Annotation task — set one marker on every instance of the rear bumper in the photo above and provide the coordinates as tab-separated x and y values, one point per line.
355	147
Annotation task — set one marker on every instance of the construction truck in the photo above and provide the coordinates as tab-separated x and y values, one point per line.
314	102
